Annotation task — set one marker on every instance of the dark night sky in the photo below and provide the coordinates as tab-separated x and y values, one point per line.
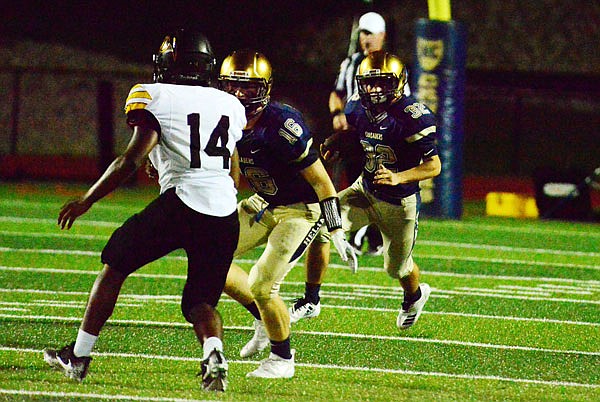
132	30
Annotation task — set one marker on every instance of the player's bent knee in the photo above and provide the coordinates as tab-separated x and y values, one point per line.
196	313
113	273
262	290
393	272
403	271
193	303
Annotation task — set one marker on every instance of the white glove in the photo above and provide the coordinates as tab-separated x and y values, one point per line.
345	250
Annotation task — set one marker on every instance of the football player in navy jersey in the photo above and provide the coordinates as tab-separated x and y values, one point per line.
345	167
293	197
398	137
189	131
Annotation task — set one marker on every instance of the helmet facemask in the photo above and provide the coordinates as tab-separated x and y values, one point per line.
377	92
253	93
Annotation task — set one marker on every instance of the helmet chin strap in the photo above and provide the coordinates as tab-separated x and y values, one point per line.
256	107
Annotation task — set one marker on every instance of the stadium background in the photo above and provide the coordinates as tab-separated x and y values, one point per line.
532	97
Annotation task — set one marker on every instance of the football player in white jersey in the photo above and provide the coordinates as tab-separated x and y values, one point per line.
189	131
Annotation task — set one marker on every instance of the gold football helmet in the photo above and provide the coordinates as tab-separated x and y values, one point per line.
381	78
247	75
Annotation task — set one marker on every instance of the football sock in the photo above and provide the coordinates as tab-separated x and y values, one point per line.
253	309
374	238
282	348
84	344
414	298
311	292
211	344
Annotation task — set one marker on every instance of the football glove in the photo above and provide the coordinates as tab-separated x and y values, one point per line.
345	250
330	147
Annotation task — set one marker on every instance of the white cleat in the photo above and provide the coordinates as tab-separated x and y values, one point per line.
259	341
409	315
303	309
275	367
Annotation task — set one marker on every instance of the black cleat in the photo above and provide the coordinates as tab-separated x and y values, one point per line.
214	372
65	360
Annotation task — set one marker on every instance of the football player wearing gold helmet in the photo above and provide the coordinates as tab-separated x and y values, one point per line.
293	197
398	138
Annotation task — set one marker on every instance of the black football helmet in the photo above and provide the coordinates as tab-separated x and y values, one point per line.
382	70
247	75
184	58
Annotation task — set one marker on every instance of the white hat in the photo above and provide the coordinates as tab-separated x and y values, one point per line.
371	22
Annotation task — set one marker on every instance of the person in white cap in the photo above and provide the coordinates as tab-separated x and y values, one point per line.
371	37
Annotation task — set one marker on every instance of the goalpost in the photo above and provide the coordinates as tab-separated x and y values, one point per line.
439	82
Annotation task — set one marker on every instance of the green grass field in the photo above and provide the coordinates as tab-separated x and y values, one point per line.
514	315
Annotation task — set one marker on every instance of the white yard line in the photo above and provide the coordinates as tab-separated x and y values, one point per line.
511	249
426	222
80	222
439	292
584	282
445	244
318	333
591	283
490	293
175	299
107	206
544	264
64	235
23	310
87	396
48	251
62	304
335	367
511	229
542	288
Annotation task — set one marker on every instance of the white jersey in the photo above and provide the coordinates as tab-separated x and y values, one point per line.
199	127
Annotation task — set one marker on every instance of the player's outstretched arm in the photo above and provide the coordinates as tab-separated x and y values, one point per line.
141	143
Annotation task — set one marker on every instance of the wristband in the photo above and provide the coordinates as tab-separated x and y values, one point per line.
336	112
330	209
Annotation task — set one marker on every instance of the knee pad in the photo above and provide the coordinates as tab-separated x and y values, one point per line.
403	271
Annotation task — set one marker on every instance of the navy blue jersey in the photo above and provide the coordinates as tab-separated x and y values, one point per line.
400	141
273	153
